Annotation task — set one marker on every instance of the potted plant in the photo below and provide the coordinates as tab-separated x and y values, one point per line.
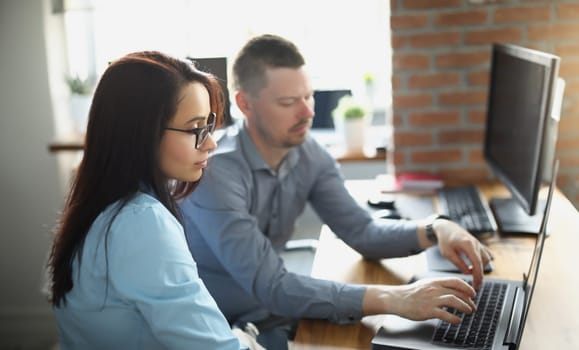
80	100
350	120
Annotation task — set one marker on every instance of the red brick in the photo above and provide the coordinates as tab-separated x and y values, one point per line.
397	120
567	143
569	69
396	83
398	157
466	175
569	160
567	49
398	41
433	80
562	180
461	18
489	36
462	59
477	117
434	39
411	100
476	156
408	21
463	98
522	14
434	118
429	4
438	156
461	137
553	31
410	61
479	78
570	105
568	11
558	37
572	88
412	138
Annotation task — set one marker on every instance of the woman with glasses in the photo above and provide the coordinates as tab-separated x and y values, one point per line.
121	274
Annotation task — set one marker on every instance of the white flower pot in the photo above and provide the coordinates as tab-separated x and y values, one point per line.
354	134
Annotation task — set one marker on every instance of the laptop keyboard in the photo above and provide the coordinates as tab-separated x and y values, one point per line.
476	330
464	206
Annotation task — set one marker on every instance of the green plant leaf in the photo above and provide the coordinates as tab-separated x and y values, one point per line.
78	86
348	108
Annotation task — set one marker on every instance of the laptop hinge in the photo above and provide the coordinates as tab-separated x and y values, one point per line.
514	328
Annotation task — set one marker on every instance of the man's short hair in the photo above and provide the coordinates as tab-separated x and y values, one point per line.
258	54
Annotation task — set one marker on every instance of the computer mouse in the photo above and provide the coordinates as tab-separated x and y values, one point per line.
386	214
382	201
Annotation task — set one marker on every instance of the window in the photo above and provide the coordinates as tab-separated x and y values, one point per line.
342	41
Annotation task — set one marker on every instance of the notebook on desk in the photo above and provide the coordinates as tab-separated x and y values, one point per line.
505	325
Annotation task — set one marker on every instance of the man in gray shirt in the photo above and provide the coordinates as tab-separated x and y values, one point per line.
258	182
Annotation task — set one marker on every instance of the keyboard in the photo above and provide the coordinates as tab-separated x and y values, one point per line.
477	329
465	206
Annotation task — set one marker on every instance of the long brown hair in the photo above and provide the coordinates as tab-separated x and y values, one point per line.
134	101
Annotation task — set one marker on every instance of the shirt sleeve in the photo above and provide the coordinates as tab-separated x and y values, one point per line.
218	210
373	239
150	266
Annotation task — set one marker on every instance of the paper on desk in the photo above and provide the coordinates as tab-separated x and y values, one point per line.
408	182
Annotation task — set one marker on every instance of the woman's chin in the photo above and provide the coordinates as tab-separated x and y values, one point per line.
191	177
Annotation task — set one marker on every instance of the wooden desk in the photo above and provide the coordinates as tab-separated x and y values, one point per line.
553	321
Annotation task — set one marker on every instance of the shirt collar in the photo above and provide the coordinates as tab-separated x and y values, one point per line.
256	160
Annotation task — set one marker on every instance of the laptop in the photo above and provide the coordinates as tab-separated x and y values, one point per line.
509	308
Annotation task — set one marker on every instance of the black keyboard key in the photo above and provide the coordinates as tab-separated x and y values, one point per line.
476	329
465	206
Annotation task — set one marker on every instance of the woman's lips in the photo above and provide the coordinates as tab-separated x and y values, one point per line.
202	164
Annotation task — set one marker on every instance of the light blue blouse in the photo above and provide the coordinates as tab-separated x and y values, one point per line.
140	288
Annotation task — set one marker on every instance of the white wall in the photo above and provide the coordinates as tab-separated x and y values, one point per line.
31	190
29	185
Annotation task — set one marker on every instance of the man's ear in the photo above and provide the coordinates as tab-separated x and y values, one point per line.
242	100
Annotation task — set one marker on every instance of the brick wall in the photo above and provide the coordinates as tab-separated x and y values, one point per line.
441	53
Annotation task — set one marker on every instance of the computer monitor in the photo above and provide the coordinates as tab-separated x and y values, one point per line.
325	101
218	67
520	133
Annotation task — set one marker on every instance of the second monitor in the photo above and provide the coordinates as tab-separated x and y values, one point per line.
218	67
325	101
521	131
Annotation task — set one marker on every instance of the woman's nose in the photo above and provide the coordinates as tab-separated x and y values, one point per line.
209	144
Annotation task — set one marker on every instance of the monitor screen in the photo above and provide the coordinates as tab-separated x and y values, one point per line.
521	86
218	67
325	101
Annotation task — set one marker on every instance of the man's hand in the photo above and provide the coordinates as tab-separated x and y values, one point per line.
422	300
453	241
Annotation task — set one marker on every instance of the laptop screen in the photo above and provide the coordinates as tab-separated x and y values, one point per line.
531	278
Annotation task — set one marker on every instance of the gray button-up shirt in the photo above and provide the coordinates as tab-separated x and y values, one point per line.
242	214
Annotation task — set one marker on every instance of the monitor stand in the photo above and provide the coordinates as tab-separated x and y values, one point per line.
512	219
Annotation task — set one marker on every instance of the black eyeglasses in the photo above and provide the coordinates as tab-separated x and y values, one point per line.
202	132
